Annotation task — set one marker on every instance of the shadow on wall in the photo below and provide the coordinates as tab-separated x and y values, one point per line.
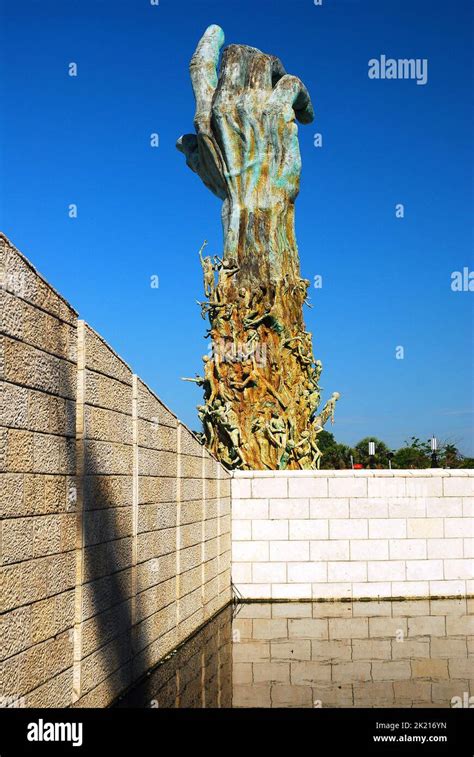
104	643
107	624
198	675
91	597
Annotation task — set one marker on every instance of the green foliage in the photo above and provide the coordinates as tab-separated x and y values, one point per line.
326	440
334	455
337	456
361	452
451	456
414	454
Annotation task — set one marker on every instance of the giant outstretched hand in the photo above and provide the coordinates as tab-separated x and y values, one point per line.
246	146
261	384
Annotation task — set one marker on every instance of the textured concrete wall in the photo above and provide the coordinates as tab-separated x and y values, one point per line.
104	591
37	488
199	674
157	518
353	534
115	520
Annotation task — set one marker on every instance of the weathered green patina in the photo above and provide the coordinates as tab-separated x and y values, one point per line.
261	385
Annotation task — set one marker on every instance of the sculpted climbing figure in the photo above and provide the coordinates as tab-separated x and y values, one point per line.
208	268
260	414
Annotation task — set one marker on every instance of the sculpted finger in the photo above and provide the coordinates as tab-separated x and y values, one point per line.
278	69
188	145
202	158
264	71
233	74
290	90
203	70
211	170
260	72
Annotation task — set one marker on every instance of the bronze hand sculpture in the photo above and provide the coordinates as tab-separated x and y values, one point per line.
246	152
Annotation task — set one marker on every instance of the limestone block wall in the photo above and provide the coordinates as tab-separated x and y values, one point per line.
115	521
183	527
199	674
157	520
104	592
38	344
353	534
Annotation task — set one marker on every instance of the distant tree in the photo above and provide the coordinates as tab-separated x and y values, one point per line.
450	456
415	454
325	440
336	456
361	452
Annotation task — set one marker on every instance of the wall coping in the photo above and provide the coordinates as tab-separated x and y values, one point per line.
385	473
5	239
35	271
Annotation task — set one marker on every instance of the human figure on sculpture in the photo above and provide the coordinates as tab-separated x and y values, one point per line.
313	399
318	425
301	289
277	432
302	450
259	430
301	346
228	421
209	381
287	454
208	268
268	315
205	418
226	266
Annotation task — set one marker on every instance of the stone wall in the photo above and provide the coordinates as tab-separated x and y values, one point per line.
116	523
352	534
199	674
37	488
115	520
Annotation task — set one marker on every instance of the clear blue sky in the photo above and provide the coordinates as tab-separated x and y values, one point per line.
141	212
